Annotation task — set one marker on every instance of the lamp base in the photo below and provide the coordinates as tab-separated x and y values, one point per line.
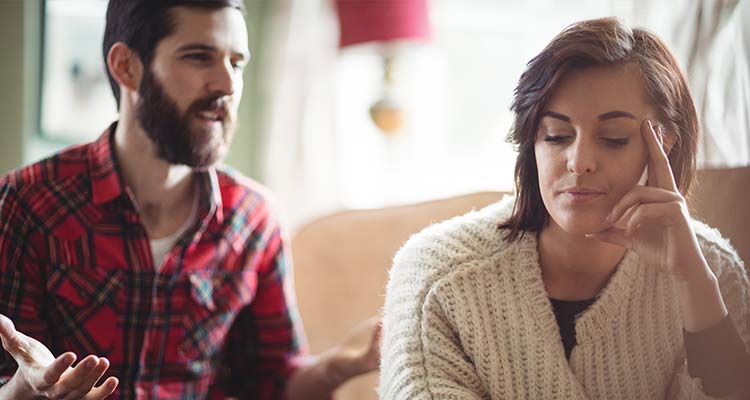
387	116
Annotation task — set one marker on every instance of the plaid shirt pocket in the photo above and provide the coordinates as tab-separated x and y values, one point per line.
84	308
216	297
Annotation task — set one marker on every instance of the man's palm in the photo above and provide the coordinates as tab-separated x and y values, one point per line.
54	377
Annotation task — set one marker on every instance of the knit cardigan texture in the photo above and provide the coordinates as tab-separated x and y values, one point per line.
467	316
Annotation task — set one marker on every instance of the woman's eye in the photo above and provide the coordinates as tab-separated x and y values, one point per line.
616	142
556	139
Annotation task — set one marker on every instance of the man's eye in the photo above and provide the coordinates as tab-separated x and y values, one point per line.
556	139
197	57
238	66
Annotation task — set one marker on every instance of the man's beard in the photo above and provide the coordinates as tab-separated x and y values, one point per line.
176	142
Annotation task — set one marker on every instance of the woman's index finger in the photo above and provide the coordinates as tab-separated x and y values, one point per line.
658	163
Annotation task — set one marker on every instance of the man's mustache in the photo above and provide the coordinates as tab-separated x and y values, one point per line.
212	103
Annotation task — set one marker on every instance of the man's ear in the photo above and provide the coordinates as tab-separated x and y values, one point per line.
125	66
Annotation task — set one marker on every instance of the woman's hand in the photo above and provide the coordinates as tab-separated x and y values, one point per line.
653	222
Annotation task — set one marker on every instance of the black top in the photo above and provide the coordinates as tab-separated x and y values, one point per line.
566	312
716	355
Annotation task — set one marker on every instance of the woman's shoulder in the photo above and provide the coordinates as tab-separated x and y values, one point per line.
444	246
718	251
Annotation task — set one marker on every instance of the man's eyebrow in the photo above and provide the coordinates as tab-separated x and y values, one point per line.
616	114
196	46
207	47
555	115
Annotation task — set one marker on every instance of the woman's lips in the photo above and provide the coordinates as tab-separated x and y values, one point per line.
582	194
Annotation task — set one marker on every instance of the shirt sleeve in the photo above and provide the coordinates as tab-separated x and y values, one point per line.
267	335
21	287
717	357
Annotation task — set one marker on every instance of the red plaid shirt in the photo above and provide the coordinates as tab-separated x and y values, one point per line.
76	273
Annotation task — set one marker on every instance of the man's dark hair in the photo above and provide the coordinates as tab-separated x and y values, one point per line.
141	24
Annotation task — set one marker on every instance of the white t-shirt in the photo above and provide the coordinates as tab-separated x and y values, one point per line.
160	247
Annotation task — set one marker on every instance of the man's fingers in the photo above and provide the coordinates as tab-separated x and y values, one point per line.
9	335
660	174
377	333
72	379
61	364
6	327
375	347
104	390
15	342
88	383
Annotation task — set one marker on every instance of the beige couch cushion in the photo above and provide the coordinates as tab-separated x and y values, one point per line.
342	260
341	268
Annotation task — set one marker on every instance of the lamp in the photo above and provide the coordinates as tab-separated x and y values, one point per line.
391	23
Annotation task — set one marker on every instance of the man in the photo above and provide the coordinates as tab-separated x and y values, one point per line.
169	273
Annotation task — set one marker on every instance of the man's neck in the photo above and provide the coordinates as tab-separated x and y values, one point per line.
573	266
164	192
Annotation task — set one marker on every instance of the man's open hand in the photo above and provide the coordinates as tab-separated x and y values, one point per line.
41	374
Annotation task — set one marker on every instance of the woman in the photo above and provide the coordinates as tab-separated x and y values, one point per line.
595	283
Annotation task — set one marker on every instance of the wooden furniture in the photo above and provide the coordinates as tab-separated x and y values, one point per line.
721	198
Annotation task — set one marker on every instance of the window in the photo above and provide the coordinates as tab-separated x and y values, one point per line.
456	91
76	99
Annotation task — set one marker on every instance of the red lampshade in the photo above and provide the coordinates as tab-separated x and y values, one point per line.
382	20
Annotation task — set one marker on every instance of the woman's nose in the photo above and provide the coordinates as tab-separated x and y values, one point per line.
581	157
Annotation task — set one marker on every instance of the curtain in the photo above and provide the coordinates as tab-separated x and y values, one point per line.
712	40
298	157
285	136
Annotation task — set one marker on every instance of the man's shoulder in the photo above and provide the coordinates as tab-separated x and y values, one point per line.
56	168
234	186
247	200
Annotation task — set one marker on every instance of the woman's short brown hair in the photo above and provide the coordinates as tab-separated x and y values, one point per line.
598	42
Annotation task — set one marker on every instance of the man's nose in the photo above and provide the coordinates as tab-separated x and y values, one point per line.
224	79
582	157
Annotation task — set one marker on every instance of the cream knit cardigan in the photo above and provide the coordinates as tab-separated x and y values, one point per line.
467	317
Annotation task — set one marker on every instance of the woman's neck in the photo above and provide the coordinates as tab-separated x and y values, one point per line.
575	267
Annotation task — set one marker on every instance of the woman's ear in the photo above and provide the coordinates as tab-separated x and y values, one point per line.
125	66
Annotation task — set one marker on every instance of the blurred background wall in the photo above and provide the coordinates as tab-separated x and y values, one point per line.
332	119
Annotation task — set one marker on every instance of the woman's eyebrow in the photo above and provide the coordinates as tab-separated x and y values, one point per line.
616	114
555	115
601	117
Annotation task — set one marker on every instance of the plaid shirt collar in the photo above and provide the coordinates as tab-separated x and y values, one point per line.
107	183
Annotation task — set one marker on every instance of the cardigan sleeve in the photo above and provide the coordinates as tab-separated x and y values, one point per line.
735	290
421	354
